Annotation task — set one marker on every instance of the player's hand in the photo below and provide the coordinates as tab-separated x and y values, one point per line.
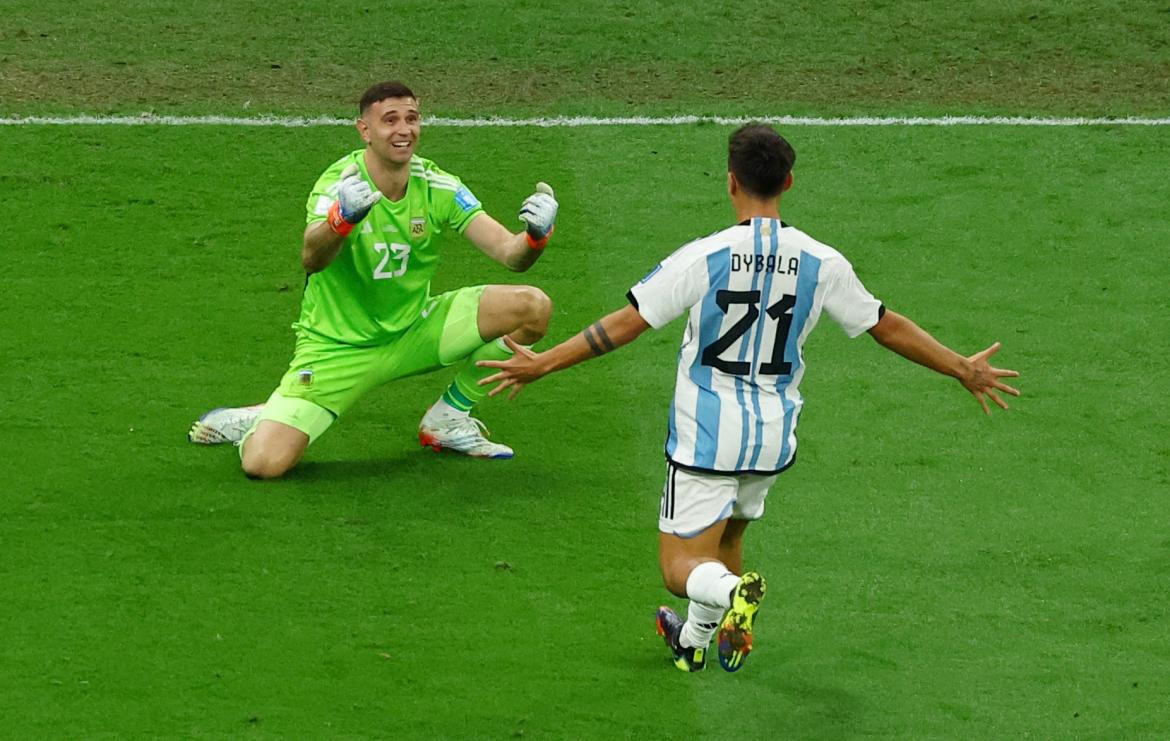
982	380
539	213
521	369
355	198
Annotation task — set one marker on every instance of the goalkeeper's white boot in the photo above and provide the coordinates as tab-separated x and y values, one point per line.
224	425
464	434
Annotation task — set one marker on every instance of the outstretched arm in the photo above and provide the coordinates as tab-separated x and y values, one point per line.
609	333
494	240
519	251
900	334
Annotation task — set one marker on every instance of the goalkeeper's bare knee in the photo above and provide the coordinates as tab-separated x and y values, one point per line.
264	467
272	450
534	309
522	312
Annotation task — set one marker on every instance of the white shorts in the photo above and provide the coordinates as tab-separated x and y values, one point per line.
693	501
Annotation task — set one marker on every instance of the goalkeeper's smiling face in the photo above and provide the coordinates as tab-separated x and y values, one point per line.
391	128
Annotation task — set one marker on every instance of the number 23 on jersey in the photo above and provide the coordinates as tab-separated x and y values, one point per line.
392	251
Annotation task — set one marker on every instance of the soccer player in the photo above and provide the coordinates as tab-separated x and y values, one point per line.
367	315
753	293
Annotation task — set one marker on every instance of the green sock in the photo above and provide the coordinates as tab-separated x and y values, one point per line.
465	391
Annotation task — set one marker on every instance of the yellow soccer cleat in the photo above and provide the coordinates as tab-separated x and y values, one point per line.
735	633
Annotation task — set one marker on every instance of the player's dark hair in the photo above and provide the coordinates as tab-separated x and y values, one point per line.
381	91
760	159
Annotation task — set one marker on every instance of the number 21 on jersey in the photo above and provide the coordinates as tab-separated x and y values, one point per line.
394	251
780	312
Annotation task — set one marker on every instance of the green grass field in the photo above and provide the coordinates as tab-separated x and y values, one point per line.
933	573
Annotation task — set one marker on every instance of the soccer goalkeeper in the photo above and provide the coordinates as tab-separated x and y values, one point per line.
367	315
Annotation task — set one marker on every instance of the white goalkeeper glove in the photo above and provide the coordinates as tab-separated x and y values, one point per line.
355	198
539	213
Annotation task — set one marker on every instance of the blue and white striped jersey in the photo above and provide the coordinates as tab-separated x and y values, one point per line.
754	292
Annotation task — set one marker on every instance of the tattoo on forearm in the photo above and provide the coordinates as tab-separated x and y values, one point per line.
598	340
592	342
603	336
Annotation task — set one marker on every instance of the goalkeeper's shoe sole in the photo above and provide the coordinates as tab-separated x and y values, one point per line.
735	632
669	626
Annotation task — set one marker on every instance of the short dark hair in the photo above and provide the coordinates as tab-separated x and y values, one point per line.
760	159
381	91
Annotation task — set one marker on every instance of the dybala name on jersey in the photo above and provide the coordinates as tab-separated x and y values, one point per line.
753	263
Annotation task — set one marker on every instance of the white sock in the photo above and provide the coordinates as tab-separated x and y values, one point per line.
711	583
441	411
702	620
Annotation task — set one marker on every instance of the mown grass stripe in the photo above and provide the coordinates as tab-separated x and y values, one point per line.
576	121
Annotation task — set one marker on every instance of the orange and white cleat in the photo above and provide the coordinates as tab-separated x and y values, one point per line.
466	435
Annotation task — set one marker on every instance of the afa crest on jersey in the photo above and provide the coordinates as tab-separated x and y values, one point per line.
418	227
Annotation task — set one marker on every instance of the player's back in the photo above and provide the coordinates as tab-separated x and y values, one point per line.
754	292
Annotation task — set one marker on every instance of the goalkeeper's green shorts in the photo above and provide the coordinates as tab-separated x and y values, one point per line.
326	378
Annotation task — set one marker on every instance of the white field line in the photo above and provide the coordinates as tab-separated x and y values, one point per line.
147	119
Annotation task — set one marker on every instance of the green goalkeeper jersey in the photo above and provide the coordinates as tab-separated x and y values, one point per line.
380	281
